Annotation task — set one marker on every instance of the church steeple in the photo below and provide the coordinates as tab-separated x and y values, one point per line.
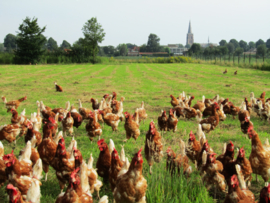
189	28
190	38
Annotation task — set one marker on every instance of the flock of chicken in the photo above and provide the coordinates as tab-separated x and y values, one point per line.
126	180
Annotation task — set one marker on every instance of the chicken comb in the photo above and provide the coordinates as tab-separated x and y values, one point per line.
268	188
250	128
139	152
51	119
242	150
231	143
10	187
169	149
213	154
191	133
115	151
100	142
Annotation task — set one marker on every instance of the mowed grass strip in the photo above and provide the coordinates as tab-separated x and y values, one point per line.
151	83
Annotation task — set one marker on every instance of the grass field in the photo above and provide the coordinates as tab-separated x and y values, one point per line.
151	83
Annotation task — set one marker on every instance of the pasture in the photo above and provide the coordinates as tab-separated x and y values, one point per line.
153	84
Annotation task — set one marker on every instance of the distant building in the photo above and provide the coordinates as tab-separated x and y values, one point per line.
190	38
134	51
205	45
176	50
252	51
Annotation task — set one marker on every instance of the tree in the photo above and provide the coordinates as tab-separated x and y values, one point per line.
230	47
52	44
235	43
167	49
65	45
261	50
153	43
143	48
122	48
109	50
268	43
131	46
251	45
30	41
223	42
93	34
243	45
259	42
1	47
187	46
223	51
238	52
180	45
195	48
10	42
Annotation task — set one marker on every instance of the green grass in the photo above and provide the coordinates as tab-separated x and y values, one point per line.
151	83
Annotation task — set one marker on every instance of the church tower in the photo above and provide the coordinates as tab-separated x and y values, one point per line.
190	39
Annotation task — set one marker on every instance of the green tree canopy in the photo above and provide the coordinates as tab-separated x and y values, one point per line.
122	48
153	43
261	50
195	48
109	50
65	45
259	42
223	50
10	42
206	51
180	45
130	46
44	46
93	34
187	46
167	49
235	43
243	45
143	48
1	47
239	51
251	45
30	41
223	42
52	44
230	47
268	43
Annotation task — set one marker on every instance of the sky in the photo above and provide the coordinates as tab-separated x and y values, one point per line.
131	21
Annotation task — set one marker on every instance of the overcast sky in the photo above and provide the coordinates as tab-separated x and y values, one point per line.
131	21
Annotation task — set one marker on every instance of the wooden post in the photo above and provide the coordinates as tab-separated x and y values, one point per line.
249	58
244	58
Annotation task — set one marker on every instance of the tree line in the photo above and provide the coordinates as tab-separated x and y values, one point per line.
231	49
30	46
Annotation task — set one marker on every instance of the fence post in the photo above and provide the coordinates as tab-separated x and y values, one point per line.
238	58
249	58
233	58
244	58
